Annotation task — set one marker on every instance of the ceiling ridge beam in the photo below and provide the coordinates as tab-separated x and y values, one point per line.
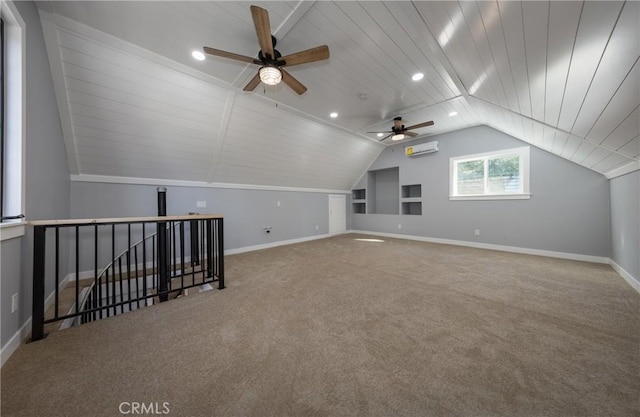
222	134
441	55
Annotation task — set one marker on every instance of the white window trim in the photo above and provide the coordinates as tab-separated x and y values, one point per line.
15	118
524	175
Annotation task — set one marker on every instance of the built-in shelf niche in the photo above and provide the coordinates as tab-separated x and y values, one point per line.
359	194
411	195
359	204
412	208
359	208
412	191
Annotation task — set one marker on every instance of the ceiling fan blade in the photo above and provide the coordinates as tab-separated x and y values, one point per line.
263	30
386	131
253	83
386	137
296	85
309	55
429	123
230	55
411	134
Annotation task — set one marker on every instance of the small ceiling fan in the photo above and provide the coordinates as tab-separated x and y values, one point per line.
272	62
399	131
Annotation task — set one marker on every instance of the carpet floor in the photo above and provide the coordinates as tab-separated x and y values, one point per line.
349	326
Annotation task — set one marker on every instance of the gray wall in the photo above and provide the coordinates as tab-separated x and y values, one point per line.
568	210
625	222
47	175
246	212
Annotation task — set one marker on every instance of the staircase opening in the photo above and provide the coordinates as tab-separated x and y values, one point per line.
119	265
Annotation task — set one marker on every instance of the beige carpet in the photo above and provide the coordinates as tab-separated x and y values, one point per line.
344	327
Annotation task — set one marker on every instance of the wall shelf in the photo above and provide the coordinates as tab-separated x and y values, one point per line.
359	208
359	202
412	208
411	191
412	199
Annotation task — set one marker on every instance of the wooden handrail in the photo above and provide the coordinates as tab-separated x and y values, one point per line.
73	222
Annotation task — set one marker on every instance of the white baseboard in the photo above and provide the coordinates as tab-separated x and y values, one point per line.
14	343
274	244
16	340
503	248
635	284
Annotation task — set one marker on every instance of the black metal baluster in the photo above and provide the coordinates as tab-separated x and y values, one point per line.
97	299
144	264
182	255
37	322
209	248
175	252
77	269
106	290
153	263
193	232
220	253
135	253
57	288
113	265
121	289
203	261
129	263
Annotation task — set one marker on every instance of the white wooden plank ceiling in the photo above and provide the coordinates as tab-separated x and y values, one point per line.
563	76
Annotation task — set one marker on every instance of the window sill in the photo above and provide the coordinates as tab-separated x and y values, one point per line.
491	197
12	230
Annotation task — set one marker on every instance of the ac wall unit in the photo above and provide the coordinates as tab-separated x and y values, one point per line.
421	149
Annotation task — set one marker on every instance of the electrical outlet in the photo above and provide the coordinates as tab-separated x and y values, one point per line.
14	303
477	232
201	204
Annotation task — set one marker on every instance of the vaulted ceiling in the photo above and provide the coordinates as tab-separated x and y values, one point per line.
563	76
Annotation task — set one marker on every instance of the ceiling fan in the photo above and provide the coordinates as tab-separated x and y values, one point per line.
399	132
272	62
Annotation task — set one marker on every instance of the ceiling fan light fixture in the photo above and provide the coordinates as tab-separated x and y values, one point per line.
198	55
398	136
270	75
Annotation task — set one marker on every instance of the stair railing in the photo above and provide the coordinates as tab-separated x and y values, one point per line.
200	262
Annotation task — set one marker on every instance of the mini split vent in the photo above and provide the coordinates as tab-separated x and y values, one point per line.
421	149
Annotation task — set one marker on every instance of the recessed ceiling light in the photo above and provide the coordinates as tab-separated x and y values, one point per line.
417	76
380	135
453	113
333	115
198	55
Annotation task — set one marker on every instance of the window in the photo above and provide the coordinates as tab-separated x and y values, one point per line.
12	131
490	176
